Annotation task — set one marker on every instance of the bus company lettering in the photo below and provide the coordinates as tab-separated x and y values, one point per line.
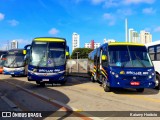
45	71
136	73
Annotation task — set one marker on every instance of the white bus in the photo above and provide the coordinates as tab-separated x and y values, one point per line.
154	52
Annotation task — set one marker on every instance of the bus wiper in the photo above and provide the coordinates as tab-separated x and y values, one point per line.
40	61
12	62
139	60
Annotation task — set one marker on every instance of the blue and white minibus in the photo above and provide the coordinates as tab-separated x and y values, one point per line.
47	60
122	65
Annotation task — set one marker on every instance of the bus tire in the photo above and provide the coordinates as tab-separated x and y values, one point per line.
63	82
158	80
13	75
37	82
42	84
104	85
140	90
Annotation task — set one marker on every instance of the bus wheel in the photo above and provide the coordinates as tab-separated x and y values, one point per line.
38	82
42	84
13	75
63	82
104	85
140	89
92	79
158	82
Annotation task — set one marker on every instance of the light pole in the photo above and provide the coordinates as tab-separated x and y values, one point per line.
77	61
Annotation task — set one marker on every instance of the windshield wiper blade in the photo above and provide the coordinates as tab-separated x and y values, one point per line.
12	62
139	60
40	61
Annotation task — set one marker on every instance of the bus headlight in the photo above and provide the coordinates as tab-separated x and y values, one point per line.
61	78
152	74
149	76
116	75
113	73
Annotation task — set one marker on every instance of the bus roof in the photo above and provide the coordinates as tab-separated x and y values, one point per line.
49	39
125	43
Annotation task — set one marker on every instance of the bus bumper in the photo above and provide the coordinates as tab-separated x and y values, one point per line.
133	84
14	72
57	78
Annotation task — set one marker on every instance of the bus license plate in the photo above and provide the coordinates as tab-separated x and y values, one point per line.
45	79
135	83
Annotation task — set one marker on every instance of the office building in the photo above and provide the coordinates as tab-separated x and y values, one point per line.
133	36
145	37
14	44
92	45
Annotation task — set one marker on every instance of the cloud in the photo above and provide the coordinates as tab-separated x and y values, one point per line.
13	22
96	2
110	18
23	41
3	47
125	12
147	29
111	3
148	11
1	16
77	1
157	29
115	3
53	31
128	2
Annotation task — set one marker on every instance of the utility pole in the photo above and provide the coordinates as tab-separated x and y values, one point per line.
126	30
77	62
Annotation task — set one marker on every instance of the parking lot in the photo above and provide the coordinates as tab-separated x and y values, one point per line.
79	94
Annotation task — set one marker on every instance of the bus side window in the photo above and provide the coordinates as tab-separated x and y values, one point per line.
158	52
105	62
95	59
151	53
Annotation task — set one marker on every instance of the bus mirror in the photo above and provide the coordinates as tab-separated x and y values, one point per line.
104	57
24	52
67	53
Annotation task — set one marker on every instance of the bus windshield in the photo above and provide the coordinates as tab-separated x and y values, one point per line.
47	54
129	56
2	63
14	61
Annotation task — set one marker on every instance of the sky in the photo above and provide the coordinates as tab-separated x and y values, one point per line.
23	20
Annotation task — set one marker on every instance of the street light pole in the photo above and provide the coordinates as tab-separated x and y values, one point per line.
77	61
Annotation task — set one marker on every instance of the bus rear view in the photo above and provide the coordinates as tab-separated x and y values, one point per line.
47	62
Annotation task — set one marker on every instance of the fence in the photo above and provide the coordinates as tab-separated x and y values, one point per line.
77	66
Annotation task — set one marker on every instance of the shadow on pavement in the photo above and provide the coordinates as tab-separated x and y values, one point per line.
24	99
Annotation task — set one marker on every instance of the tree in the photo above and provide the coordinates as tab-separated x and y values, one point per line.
83	53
